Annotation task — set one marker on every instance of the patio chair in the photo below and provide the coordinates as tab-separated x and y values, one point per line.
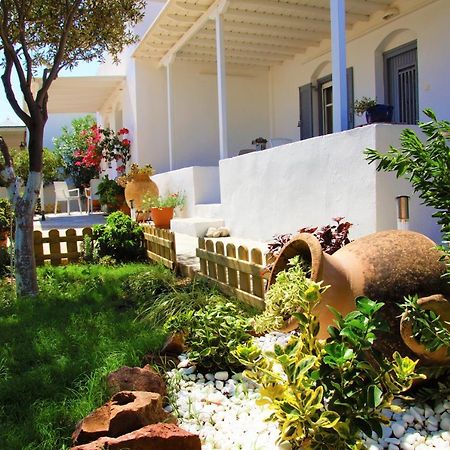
64	194
91	194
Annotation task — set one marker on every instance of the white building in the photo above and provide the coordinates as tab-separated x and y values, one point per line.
210	76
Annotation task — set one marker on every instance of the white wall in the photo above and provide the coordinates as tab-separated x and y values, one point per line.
429	25
307	183
199	185
55	123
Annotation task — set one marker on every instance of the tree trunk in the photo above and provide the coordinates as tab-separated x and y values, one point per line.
26	276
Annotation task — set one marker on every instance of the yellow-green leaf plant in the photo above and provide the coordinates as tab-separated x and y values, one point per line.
292	290
324	394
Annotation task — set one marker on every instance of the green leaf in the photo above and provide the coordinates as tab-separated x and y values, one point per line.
374	396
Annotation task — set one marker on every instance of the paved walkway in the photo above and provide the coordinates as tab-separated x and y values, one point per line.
63	221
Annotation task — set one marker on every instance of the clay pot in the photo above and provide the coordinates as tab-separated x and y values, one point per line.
136	188
440	305
161	217
384	266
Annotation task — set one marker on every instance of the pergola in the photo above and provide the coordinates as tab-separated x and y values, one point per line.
254	33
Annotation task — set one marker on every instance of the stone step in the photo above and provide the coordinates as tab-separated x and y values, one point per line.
209	210
195	226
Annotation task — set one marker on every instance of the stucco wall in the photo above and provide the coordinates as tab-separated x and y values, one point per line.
307	183
199	185
429	25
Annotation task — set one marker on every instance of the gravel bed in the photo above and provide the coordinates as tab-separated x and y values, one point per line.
221	408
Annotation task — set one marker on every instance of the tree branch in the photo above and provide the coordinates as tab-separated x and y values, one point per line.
9	91
68	23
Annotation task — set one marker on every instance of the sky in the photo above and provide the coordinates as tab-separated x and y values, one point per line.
7	115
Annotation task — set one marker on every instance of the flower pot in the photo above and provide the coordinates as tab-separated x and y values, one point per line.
161	217
137	187
379	114
384	266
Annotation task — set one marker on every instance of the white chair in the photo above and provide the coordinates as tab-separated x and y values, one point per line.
276	142
64	194
91	194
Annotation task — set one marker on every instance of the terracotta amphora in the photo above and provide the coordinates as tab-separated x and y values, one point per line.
137	187
384	266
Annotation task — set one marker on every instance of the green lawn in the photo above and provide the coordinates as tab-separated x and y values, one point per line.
55	351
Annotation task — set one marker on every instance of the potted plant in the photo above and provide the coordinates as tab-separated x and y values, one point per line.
161	208
6	220
136	183
375	112
110	194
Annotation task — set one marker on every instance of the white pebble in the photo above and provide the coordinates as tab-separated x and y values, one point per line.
209	376
221	376
445	423
398	429
219	385
393	447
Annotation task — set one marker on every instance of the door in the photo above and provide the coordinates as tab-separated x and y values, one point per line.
401	84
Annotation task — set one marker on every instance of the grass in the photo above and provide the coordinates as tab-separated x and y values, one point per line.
56	349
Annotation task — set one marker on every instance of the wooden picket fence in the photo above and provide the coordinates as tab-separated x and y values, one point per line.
59	249
236	272
160	246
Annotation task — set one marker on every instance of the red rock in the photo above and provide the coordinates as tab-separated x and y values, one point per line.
174	345
136	379
126	411
161	436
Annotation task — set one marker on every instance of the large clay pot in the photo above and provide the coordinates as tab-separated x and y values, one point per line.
137	187
384	266
161	217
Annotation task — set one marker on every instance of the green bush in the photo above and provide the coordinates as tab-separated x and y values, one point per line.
110	194
212	333
120	238
6	214
51	165
325	393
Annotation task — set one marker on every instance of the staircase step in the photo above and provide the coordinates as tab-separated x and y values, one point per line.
208	210
195	226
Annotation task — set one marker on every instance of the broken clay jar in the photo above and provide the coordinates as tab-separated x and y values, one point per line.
384	266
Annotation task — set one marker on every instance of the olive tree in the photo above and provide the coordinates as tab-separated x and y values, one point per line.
39	38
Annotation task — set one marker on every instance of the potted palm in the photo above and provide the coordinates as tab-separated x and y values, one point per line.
110	194
375	112
161	208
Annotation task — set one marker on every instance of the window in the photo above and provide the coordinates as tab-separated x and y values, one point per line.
400	65
316	106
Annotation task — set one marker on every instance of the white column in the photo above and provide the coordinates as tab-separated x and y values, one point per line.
338	58
221	86
170	113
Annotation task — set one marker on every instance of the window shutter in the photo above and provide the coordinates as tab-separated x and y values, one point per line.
306	112
350	99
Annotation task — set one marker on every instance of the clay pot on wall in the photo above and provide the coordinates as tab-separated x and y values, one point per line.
384	266
137	187
161	217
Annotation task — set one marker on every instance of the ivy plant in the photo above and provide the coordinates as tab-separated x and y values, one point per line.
291	291
325	393
212	333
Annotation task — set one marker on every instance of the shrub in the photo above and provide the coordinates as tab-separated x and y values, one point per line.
324	393
6	215
110	194
212	333
290	291
120	238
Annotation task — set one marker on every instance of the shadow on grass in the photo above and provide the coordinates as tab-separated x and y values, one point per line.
55	351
